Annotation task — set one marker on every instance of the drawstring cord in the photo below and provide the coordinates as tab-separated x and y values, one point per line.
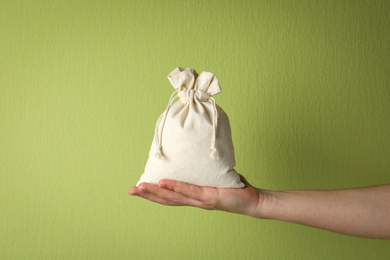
158	138
214	153
202	96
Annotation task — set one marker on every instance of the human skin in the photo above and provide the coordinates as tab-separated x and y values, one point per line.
362	212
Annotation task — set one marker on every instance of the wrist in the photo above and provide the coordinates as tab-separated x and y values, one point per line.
265	205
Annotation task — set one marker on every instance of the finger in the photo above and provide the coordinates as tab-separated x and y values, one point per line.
167	194
150	196
154	198
186	189
134	191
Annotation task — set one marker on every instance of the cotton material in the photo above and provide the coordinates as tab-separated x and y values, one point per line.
193	140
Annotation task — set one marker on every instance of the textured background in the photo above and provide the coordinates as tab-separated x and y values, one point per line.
305	84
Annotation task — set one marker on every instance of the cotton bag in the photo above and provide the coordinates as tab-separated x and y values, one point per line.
192	141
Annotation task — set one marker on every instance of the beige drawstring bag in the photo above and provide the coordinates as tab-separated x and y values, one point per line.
192	139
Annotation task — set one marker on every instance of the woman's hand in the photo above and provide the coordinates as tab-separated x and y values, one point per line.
362	212
247	200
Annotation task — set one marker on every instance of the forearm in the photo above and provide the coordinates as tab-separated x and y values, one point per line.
358	212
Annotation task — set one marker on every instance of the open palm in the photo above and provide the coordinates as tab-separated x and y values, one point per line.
247	200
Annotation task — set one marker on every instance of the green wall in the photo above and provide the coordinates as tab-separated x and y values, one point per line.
305	84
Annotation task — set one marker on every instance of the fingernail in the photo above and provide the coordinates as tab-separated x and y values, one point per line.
162	185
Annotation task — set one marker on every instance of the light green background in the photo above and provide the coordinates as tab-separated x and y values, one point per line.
305	85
